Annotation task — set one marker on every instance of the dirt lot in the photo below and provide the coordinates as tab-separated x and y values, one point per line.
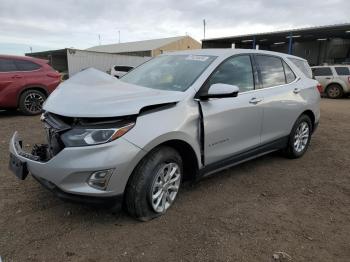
247	213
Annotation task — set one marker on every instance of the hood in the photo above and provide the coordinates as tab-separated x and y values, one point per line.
92	93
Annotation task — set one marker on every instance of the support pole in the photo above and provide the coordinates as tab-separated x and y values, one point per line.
290	44
254	42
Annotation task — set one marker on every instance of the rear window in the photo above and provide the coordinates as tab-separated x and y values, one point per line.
302	65
7	65
123	68
23	65
342	71
271	70
322	71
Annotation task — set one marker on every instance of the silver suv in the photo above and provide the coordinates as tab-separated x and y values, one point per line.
335	80
179	116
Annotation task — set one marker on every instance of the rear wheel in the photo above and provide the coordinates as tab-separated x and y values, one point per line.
31	102
154	184
334	91
299	138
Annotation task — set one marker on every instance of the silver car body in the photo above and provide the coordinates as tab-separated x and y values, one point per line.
214	130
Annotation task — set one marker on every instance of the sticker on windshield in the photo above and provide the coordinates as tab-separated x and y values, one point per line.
197	58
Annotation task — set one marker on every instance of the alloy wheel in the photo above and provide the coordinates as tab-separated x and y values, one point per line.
165	186
301	137
33	102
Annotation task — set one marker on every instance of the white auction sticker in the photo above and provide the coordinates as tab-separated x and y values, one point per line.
197	58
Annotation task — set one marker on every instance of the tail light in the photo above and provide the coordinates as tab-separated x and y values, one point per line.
319	88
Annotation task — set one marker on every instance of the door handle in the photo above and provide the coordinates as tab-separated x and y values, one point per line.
255	100
296	90
16	77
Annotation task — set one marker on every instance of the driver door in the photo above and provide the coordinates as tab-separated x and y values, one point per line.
232	125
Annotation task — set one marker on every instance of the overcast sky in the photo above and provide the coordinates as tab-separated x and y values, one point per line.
48	24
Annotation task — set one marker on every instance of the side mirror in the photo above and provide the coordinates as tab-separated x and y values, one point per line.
221	91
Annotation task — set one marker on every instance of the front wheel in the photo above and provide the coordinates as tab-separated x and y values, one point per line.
299	138
154	184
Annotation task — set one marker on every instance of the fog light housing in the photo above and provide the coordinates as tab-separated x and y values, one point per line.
99	179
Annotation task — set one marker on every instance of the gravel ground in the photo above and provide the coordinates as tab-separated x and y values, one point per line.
246	213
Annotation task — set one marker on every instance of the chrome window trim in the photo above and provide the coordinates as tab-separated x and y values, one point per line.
271	87
20	71
297	77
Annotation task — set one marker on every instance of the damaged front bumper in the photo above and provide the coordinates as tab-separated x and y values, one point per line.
68	171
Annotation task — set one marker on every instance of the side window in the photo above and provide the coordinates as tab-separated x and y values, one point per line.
302	65
235	71
123	68
7	65
342	71
322	71
271	70
290	76
23	65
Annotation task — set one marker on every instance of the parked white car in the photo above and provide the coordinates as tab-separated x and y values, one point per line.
335	79
118	71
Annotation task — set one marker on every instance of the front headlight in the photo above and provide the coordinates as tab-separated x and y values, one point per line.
93	136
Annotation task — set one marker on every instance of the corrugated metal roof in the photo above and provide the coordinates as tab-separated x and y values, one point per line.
287	31
135	46
298	30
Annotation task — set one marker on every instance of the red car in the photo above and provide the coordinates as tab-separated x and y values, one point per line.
25	83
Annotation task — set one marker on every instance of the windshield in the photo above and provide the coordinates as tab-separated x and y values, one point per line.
169	72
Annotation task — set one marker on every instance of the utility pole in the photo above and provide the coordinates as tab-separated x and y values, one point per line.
31	49
99	39
204	24
119	36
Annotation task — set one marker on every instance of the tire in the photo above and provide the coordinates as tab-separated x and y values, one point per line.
31	102
295	149
147	181
334	91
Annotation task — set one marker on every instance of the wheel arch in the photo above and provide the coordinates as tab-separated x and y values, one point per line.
341	85
188	155
32	87
311	115
186	151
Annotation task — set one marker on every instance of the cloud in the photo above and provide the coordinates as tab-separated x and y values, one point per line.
73	23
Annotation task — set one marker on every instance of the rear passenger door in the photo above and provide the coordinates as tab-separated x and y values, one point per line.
281	97
343	73
30	72
323	75
10	82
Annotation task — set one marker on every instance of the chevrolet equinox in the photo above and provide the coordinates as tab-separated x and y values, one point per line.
182	115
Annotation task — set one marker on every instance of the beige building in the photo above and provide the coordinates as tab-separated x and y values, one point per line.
152	47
